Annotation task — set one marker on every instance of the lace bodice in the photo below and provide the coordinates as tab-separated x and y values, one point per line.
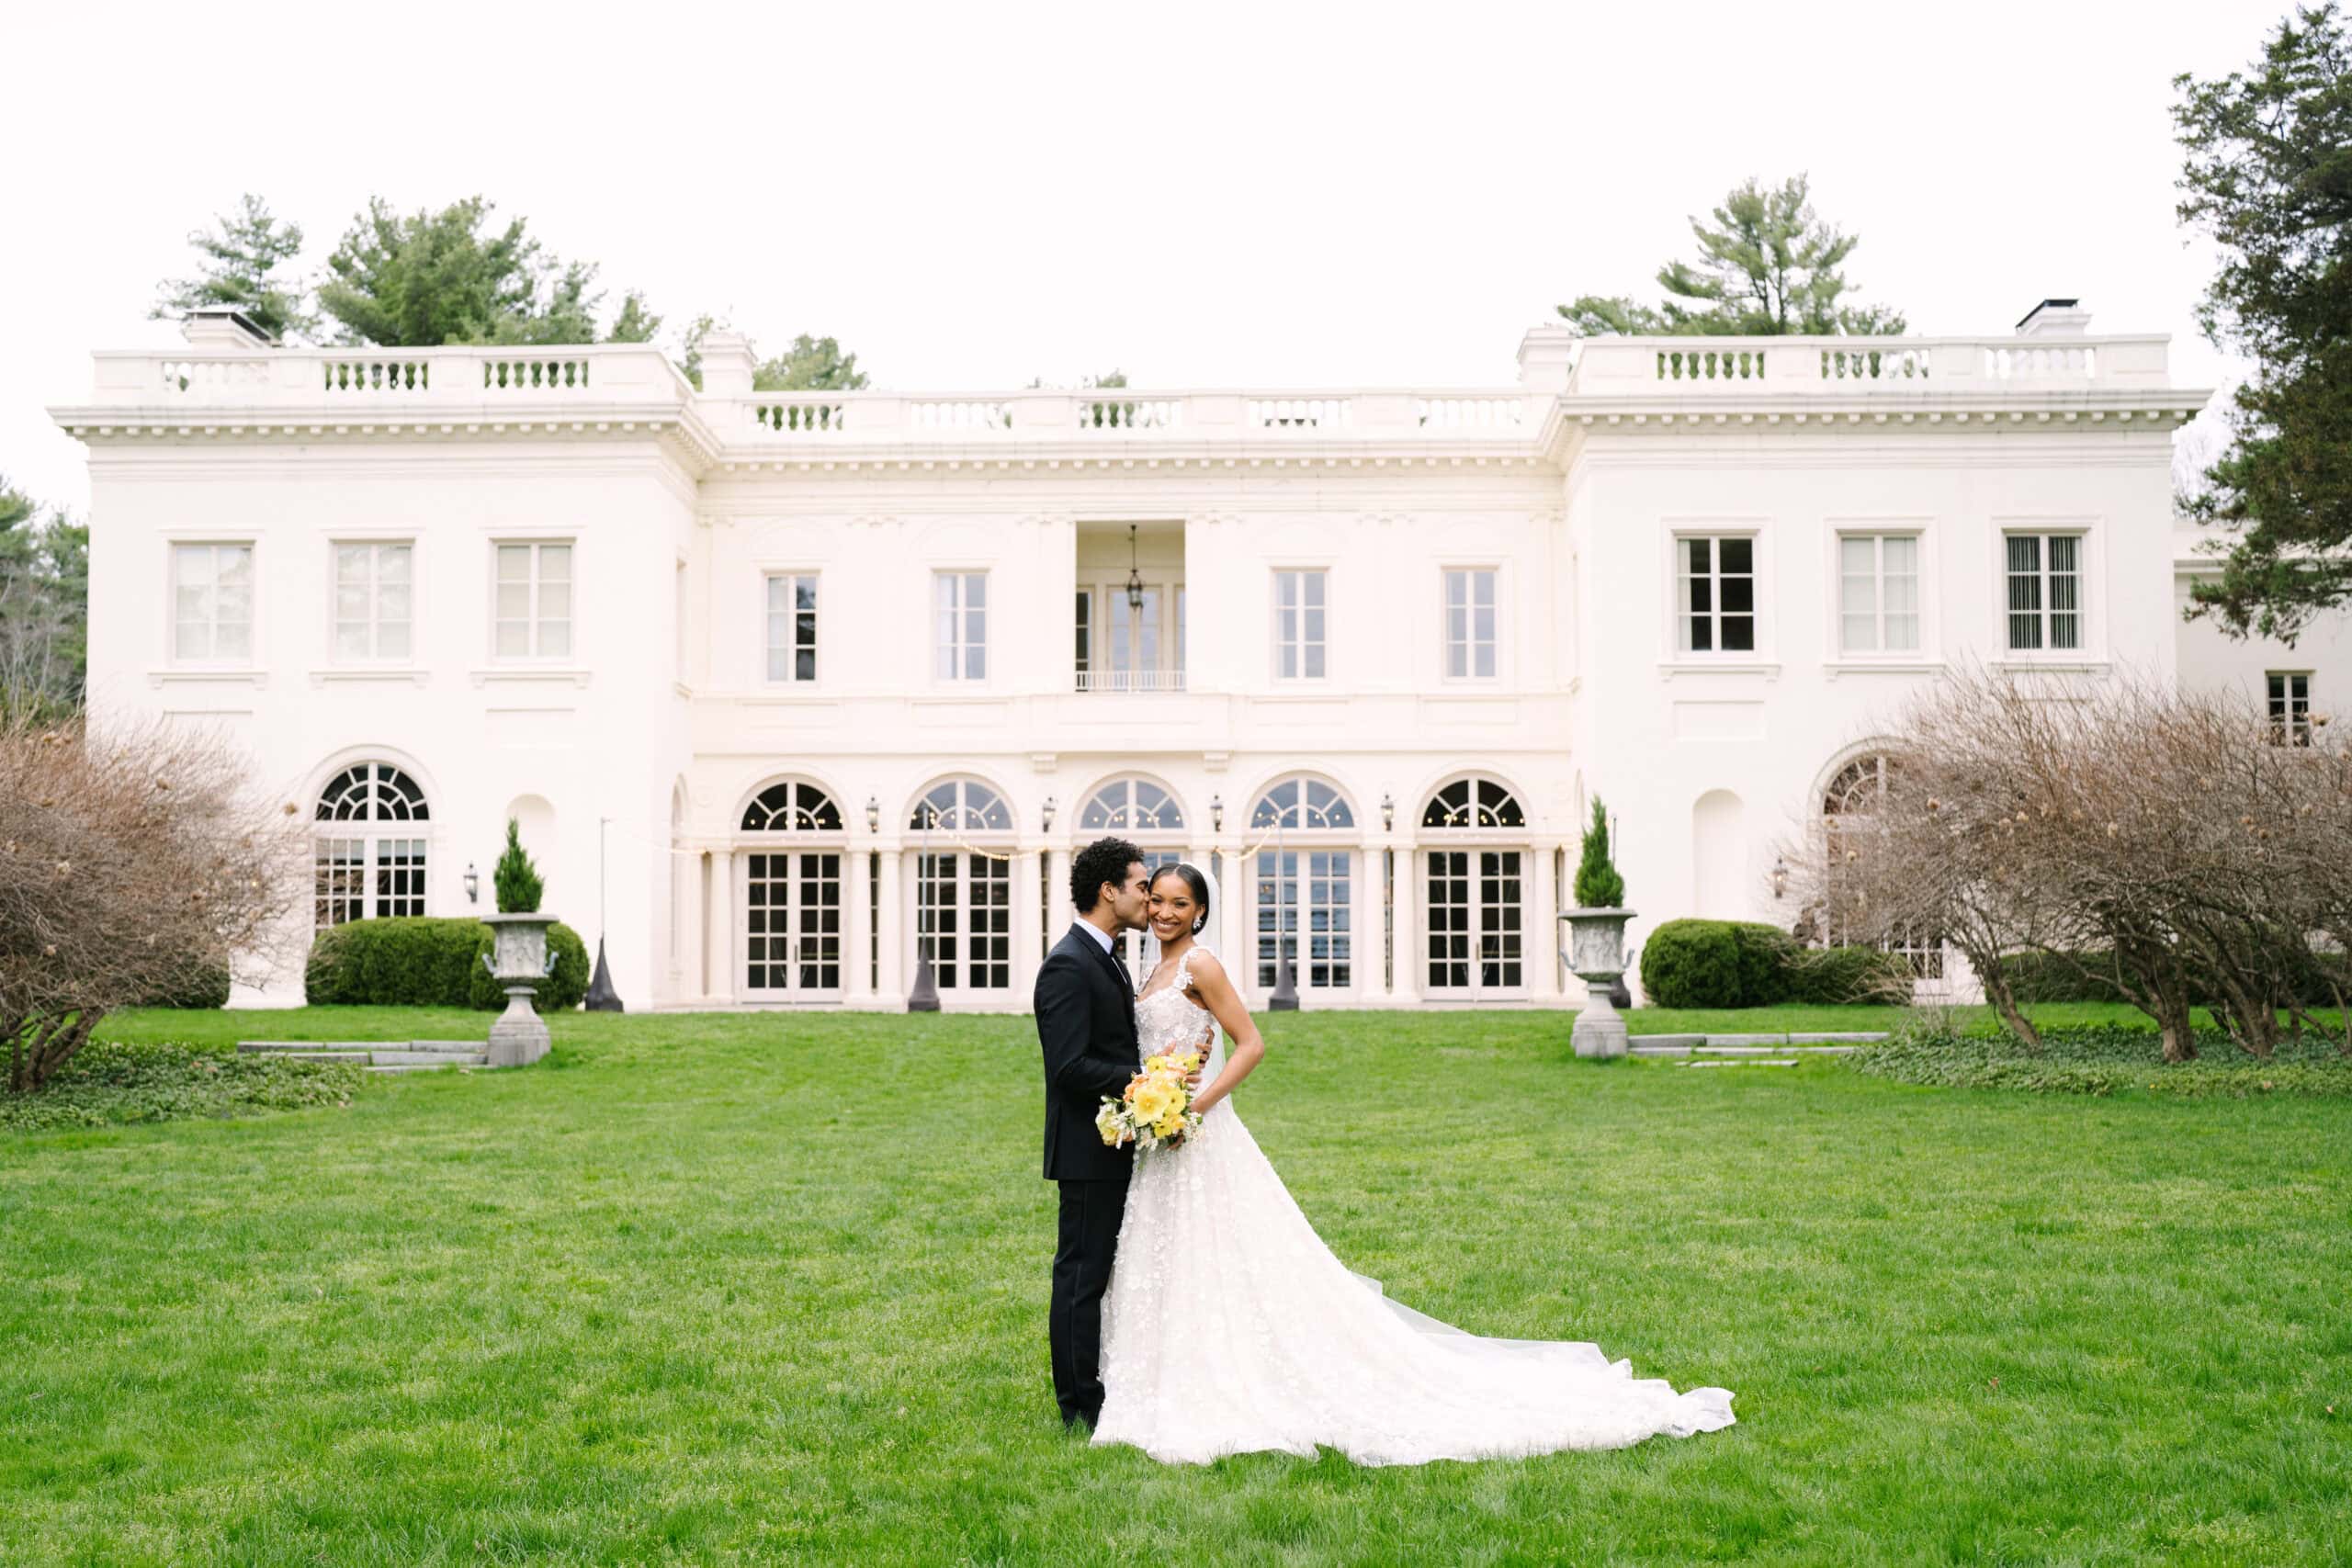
1172	1017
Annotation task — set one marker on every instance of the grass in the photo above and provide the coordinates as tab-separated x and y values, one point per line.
758	1288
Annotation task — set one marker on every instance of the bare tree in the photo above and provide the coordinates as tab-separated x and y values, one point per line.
126	862
2173	844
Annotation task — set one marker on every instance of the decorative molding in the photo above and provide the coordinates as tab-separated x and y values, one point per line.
192	677
1770	669
1833	668
388	675
525	674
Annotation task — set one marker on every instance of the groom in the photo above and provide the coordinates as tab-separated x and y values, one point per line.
1086	1022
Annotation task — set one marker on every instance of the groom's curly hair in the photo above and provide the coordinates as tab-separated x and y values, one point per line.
1105	860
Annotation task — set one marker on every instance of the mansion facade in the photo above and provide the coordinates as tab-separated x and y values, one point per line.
794	693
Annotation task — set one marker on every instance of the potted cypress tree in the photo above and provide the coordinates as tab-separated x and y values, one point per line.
519	1037
1597	942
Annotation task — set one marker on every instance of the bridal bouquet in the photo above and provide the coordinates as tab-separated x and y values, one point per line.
1157	1106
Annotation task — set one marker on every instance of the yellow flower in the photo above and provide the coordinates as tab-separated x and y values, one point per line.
1156	1100
1107	1122
1168	1125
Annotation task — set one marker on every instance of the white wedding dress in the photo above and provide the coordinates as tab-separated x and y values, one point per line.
1230	1327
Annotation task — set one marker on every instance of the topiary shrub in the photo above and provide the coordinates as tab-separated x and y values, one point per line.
1692	964
515	877
559	992
1598	886
403	962
1836	976
1764	954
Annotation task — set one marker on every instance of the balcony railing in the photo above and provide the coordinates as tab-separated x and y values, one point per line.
1847	365
1130	680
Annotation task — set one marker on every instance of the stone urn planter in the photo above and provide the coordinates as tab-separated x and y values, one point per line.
1596	954
520	965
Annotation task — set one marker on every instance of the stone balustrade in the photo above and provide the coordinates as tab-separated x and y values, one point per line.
1845	366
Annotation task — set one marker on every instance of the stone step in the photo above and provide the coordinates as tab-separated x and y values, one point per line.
1646	1047
436	1048
440	1065
1740	1062
379	1057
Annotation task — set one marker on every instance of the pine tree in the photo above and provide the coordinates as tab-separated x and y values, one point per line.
239	267
516	879
1598	885
1768	268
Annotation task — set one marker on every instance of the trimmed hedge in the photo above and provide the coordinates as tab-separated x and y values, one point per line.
1744	964
424	962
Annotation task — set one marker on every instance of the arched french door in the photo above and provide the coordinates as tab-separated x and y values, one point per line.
793	841
1848	801
369	853
962	871
1305	841
1147	813
1475	876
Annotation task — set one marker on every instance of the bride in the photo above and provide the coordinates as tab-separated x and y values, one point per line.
1230	1327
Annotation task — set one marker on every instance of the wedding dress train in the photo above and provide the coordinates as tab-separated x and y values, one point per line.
1231	1328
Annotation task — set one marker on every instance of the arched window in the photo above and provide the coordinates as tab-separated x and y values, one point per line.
1476	896
1304	868
1473	803
1847	801
792	898
1131	806
963	872
961	806
367	858
792	807
1302	804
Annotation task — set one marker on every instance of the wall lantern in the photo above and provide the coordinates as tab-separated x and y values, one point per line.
1216	814
1049	814
873	815
1779	875
1134	573
473	883
1387	813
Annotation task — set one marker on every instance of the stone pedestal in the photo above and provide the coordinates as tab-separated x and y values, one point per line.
519	964
1596	954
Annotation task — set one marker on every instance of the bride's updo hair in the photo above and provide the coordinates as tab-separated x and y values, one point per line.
1199	886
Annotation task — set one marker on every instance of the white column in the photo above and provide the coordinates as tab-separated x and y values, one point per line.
692	904
894	927
856	868
1026	952
1540	907
1239	885
1056	875
723	941
1406	990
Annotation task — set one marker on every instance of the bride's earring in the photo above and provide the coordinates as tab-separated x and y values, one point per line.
1199	924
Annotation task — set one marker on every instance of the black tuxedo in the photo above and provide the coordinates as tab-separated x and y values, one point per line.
1086	1028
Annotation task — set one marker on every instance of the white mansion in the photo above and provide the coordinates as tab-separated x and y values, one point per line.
820	683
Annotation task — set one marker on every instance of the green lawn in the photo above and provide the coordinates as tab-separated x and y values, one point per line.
765	1288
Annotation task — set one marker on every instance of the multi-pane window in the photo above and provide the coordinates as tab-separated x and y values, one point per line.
1715	580
1877	593
792	627
373	608
534	609
961	600
1300	604
2290	707
1470	624
212	602
1083	618
2045	573
368	857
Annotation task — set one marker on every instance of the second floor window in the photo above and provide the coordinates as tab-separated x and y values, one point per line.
1877	593
1470	624
213	602
1716	588
2045	573
1300	604
372	607
792	627
961	599
534	601
2290	707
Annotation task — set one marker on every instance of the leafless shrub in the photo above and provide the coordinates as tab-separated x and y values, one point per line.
2167	839
125	861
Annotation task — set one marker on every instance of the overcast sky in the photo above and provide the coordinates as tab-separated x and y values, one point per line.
1201	195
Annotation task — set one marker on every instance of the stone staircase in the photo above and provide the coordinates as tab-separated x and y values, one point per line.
1747	1049
379	1056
